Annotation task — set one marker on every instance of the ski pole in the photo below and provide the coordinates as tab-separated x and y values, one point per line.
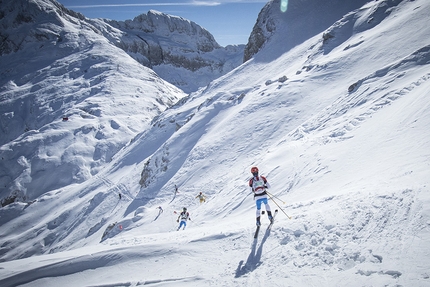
194	222
275	197
289	217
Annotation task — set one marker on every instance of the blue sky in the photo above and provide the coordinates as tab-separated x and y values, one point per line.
229	21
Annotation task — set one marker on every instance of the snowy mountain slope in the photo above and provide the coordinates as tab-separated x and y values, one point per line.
350	162
214	112
63	69
58	64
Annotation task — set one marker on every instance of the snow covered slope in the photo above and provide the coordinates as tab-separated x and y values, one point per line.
338	124
73	93
69	99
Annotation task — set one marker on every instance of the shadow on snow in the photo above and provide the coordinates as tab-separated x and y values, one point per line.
254	258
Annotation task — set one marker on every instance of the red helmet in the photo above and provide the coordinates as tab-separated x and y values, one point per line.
254	169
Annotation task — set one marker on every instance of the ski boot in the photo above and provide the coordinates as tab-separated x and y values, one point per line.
258	221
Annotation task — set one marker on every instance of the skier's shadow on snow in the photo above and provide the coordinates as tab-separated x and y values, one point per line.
174	196
158	215
254	258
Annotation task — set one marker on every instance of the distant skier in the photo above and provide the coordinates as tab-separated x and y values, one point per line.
184	216
258	185
201	197
176	189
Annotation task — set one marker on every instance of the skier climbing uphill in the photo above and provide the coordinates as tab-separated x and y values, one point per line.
184	216
258	185
201	197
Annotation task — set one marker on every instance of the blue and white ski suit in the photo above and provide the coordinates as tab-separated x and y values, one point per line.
258	185
184	216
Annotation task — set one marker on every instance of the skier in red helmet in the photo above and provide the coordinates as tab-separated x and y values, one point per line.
258	185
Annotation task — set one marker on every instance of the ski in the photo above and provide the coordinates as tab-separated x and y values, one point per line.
256	232
273	220
258	227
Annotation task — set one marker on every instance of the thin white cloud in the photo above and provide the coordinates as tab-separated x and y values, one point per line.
243	1
219	2
195	3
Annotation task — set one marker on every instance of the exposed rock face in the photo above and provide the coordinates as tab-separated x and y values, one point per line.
176	28
263	29
158	37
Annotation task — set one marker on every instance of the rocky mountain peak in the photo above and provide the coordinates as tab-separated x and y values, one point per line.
165	25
